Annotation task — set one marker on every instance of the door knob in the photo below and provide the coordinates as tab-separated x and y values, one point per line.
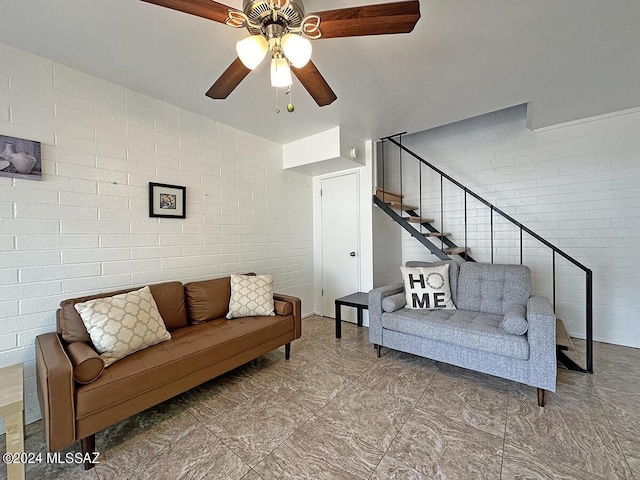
352	254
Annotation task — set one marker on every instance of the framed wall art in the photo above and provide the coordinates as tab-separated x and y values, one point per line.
168	201
20	158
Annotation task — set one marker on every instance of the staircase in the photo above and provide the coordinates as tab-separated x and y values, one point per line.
442	245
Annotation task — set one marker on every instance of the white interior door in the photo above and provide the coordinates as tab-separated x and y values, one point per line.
340	239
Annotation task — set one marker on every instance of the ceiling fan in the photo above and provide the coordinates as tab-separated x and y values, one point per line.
281	27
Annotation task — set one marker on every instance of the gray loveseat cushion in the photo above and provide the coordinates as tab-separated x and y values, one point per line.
480	331
491	288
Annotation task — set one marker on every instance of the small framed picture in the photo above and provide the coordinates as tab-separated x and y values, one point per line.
20	158
167	200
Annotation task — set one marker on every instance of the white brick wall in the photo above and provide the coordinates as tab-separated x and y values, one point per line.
85	227
577	186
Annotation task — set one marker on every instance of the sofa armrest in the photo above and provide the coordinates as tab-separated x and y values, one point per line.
542	343
55	391
375	309
297	311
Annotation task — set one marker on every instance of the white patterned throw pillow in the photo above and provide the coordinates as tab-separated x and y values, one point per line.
251	295
427	288
123	324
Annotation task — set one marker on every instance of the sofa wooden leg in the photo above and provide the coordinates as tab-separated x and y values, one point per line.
378	350
287	351
541	397
88	446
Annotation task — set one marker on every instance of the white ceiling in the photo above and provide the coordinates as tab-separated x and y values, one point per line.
569	58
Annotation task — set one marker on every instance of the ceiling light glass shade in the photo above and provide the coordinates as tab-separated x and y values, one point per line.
297	49
280	72
252	50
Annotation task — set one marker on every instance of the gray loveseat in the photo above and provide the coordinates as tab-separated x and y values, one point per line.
472	336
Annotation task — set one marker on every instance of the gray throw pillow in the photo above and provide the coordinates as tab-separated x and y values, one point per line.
393	302
515	320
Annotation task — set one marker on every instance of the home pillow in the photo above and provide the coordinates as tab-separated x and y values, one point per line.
427	288
515	320
123	324
87	364
251	295
393	302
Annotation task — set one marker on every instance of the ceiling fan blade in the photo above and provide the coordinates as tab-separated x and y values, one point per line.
386	18
314	82
200	8
229	80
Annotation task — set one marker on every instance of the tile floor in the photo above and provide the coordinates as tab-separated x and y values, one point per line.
335	411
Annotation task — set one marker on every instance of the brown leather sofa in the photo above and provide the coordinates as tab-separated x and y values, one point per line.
79	397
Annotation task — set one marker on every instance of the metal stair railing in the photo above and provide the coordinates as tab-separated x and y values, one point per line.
440	252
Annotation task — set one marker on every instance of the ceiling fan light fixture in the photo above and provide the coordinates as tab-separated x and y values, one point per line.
280	72
297	49
252	50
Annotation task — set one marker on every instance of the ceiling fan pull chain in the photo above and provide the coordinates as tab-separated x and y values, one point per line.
290	107
277	109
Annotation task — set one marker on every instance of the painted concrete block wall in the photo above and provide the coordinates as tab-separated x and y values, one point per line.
575	185
85	227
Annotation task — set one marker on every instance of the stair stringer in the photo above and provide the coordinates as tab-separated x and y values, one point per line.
410	229
415	233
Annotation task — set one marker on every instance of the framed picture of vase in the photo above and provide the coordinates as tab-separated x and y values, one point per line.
167	200
20	158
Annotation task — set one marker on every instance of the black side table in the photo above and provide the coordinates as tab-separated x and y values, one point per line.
360	301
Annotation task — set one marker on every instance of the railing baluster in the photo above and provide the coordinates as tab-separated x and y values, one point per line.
491	233
383	167
465	223
441	212
590	321
553	282
401	196
520	245
420	186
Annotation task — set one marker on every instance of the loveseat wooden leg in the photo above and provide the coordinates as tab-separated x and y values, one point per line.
287	351
378	350
541	397
88	446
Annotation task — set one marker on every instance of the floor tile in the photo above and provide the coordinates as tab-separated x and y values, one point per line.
403	376
447	449
568	437
391	469
254	427
312	386
252	475
199	455
375	417
520	465
342	360
616	369
623	412
468	401
321	451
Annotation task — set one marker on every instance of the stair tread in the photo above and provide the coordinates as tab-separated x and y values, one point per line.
388	196
389	192
402	206
418	219
436	234
456	250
